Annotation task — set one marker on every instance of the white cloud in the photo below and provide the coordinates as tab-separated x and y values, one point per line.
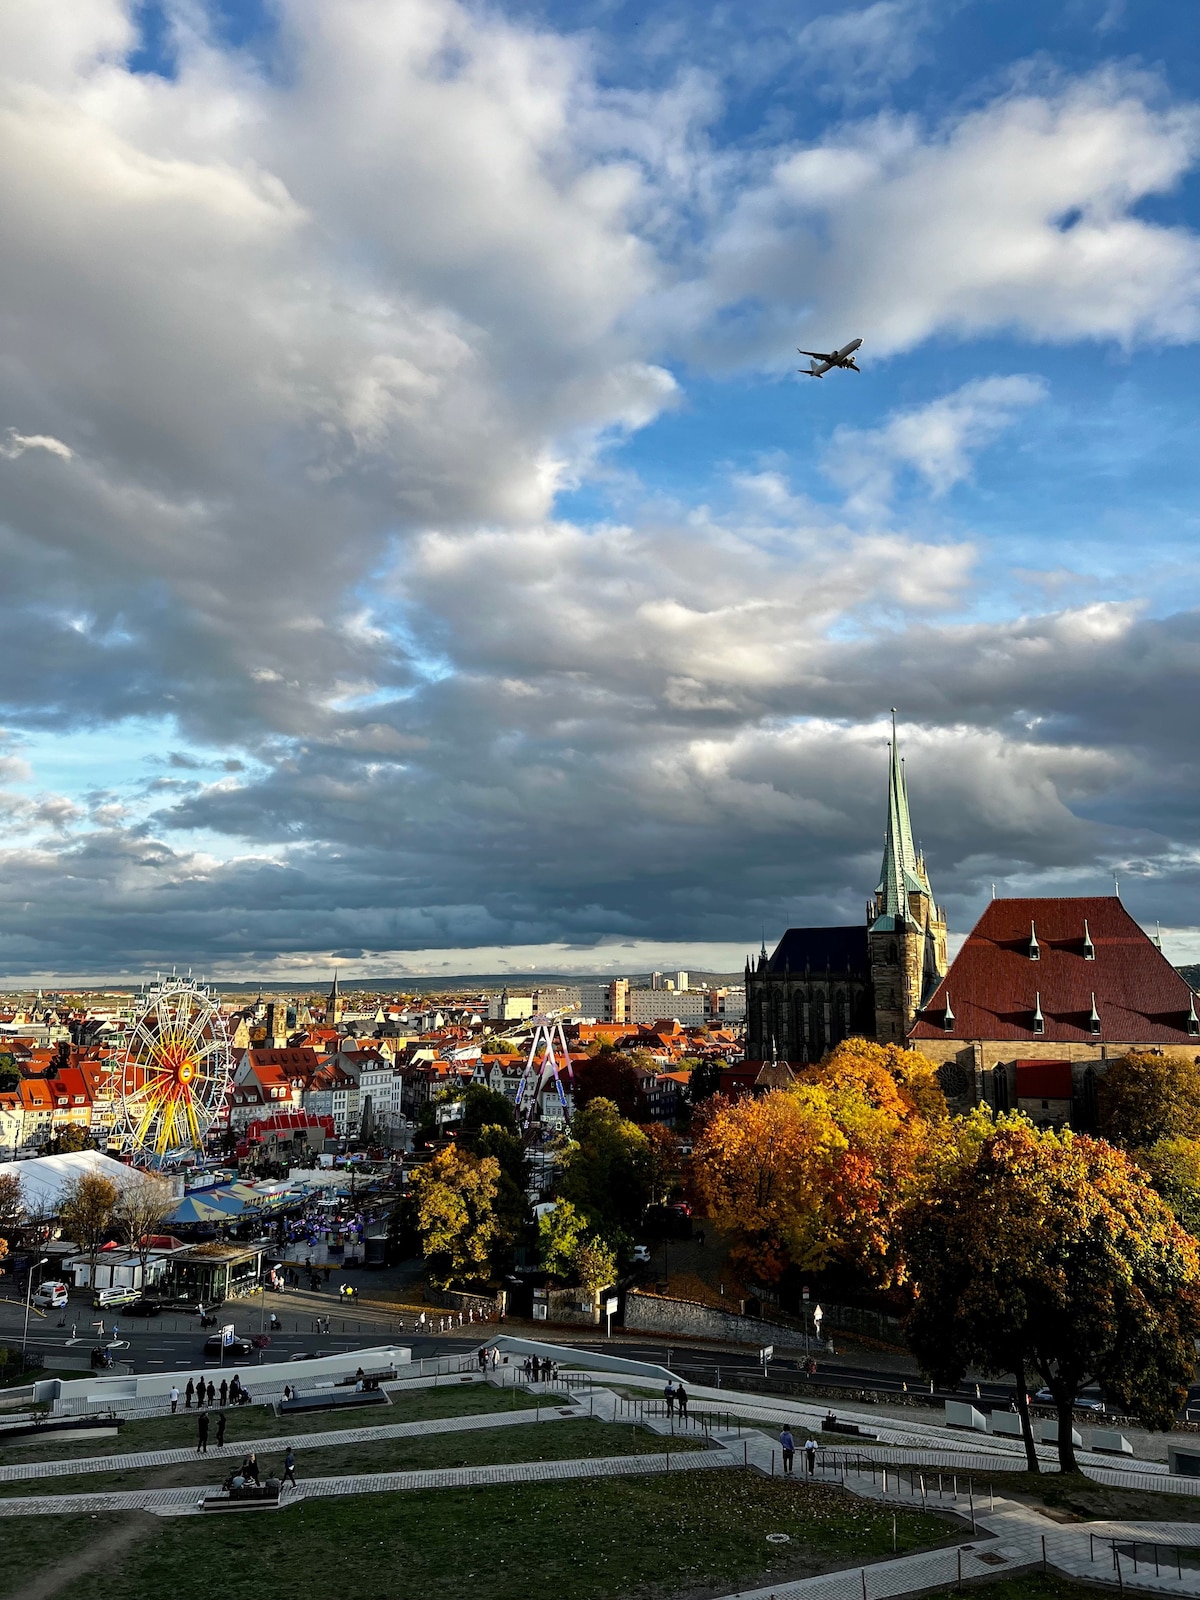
936	440
15	444
1018	217
858	51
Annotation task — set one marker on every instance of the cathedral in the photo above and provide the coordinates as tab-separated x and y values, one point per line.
823	985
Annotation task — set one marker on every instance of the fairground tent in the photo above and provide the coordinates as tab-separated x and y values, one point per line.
45	1179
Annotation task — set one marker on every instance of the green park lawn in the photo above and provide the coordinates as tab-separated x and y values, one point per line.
179	1431
594	1539
555	1441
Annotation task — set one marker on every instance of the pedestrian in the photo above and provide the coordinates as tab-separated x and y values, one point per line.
187	1395
174	1398
681	1399
788	1445
289	1467
224	1392
810	1455
669	1397
250	1467
72	1333
211	1392
482	1358
220	1430
700	1238
202	1434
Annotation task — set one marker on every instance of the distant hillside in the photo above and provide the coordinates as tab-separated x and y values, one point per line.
1192	974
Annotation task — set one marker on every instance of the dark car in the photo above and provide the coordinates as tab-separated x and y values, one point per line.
144	1308
238	1350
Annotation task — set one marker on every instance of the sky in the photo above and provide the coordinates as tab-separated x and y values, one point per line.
420	553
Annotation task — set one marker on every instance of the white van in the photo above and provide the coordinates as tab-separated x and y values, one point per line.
50	1296
115	1297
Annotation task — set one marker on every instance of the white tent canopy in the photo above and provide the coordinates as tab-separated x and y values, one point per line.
44	1179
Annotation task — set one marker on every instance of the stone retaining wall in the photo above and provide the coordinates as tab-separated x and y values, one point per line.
649	1313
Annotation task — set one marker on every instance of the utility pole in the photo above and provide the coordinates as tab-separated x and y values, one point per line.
28	1292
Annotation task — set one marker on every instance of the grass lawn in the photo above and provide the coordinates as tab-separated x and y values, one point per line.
1075	1498
245	1422
555	1441
592	1540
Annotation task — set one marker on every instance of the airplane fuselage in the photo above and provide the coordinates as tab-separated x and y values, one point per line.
823	362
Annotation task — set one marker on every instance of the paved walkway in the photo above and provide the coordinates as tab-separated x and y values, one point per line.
176	1502
237	1449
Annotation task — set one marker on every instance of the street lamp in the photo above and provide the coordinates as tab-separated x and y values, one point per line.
28	1292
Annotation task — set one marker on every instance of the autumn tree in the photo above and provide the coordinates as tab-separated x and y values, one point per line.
86	1213
1173	1167
512	1209
595	1265
455	1196
68	1141
1048	1253
705	1080
1144	1097
143	1205
12	1208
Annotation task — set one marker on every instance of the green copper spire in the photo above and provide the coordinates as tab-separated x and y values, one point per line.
898	875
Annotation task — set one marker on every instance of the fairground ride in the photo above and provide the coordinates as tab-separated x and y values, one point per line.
172	1080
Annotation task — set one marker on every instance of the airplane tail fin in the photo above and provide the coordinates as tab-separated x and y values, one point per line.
809	372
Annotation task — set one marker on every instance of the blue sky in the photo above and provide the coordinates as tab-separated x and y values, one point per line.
421	551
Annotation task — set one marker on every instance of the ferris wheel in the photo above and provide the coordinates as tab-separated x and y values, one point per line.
175	1072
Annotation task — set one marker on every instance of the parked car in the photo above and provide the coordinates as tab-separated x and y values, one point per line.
108	1298
1081	1402
145	1308
214	1350
50	1296
640	1255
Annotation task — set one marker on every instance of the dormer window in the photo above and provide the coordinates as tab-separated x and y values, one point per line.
1035	949
948	1018
1039	1021
1089	949
1095	1017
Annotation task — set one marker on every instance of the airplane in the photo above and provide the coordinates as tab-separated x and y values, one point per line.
836	358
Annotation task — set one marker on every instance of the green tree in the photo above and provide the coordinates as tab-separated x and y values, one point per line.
561	1232
705	1080
1049	1253
68	1140
595	1265
606	1170
12	1209
609	1075
513	1211
455	1198
1144	1097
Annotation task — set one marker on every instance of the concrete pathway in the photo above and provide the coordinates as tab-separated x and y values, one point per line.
177	1502
24	1471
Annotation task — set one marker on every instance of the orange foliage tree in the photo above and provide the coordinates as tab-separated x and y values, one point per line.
821	1171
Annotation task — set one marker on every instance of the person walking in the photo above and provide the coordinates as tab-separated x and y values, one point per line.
174	1398
220	1430
289	1467
202	1434
788	1445
681	1400
187	1395
810	1455
669	1397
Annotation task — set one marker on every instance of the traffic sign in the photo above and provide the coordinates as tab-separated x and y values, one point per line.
610	1306
765	1354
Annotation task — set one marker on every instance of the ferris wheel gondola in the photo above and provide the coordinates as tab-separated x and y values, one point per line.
175	1072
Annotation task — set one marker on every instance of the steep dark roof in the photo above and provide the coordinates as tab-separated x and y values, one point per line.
840	950
993	986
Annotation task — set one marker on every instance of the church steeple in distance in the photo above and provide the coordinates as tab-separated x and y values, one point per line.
907	929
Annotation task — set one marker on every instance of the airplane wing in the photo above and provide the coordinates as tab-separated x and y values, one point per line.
817	355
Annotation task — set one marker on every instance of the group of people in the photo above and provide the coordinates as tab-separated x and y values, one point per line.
248	1474
206	1393
787	1443
202	1432
539	1369
676	1396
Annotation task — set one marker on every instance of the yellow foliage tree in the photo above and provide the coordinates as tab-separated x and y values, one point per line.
455	1194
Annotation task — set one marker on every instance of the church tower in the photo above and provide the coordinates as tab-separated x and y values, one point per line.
906	929
333	1006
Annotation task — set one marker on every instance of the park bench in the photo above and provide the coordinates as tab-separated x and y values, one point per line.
95	1425
832	1425
250	1498
333	1400
370	1380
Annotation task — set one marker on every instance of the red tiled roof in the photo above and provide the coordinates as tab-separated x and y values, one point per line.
993	986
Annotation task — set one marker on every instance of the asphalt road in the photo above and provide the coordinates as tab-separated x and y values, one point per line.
177	1342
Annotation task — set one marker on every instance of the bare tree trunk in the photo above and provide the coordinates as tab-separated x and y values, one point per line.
1066	1438
1031	1455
